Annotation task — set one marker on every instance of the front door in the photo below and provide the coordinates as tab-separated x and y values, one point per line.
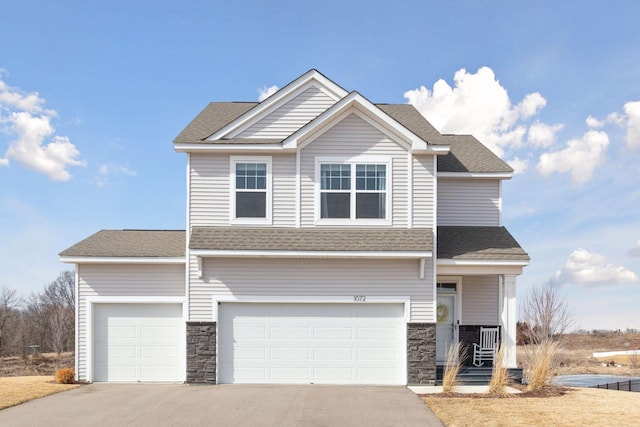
446	325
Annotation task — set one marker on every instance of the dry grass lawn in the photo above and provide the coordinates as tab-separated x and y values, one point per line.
17	390
578	407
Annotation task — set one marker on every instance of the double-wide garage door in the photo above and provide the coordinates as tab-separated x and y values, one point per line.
138	342
311	343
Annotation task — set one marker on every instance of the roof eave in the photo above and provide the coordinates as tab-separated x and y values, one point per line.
476	175
212	253
82	259
202	147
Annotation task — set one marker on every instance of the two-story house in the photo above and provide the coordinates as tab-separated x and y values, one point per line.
329	240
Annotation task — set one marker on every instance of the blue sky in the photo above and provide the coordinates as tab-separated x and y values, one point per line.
93	93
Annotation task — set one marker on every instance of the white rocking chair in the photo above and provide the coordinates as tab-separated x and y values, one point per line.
488	346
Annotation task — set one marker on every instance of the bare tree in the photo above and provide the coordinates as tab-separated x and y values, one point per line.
9	311
59	298
545	314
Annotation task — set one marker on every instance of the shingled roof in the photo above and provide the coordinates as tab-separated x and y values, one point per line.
312	239
130	243
467	153
478	243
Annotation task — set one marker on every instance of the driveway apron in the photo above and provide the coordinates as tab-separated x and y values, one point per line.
224	405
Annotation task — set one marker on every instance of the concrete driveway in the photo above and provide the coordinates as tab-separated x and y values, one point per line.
223	405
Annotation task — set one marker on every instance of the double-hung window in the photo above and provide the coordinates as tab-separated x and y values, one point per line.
353	191
251	189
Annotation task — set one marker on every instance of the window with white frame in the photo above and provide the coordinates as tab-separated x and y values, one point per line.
353	190
251	188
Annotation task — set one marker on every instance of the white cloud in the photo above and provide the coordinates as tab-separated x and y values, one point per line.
266	92
106	171
635	252
24	116
542	134
580	157
518	165
592	122
592	269
479	105
616	118
632	109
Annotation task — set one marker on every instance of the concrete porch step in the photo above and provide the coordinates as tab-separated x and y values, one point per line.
472	375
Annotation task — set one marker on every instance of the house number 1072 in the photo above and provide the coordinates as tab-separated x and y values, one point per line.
359	298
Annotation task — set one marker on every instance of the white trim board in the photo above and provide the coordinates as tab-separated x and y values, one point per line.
259	299
121	260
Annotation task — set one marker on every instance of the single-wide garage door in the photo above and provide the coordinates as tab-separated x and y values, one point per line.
138	342
311	343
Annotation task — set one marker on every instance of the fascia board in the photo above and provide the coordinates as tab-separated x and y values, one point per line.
333	90
479	262
121	260
213	146
209	253
476	175
360	103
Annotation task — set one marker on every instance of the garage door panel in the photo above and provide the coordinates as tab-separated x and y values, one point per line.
326	332
333	353
311	343
243	332
138	342
159	331
288	353
376	353
288	332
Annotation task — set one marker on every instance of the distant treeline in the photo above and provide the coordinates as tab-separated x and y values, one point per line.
42	322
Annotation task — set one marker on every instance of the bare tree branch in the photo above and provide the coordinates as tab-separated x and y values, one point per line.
545	314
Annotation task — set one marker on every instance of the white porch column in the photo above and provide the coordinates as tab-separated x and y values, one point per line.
508	318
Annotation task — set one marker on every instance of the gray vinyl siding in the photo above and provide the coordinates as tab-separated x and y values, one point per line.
122	280
423	191
469	202
209	204
480	300
291	116
211	190
284	190
310	277
352	137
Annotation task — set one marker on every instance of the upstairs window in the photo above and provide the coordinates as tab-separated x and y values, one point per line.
353	191
251	189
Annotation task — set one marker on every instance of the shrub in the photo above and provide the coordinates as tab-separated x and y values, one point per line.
541	364
452	368
65	376
499	375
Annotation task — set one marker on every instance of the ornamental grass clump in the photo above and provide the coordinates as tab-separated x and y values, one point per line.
499	375
541	365
452	368
65	376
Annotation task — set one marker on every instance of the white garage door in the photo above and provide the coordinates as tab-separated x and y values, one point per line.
311	343
138	342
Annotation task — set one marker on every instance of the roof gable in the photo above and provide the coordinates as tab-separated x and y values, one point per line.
311	79
354	103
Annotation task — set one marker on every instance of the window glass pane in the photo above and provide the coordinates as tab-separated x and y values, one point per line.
370	205
240	182
335	177
251	176
251	205
335	205
371	177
